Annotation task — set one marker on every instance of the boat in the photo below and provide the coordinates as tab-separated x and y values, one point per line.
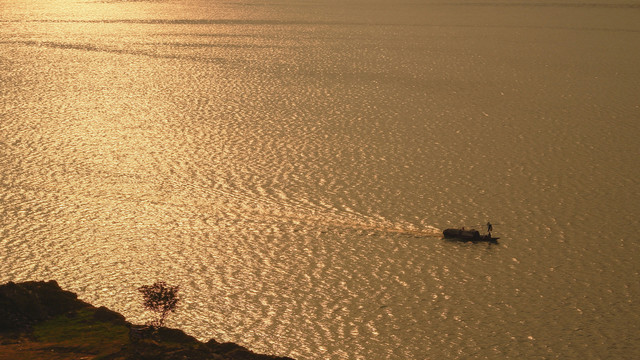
468	235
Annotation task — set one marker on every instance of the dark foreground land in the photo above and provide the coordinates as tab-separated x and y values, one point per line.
39	320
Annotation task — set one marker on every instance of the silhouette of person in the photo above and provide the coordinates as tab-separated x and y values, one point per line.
489	227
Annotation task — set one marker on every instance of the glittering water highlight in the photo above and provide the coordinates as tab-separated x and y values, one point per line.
291	166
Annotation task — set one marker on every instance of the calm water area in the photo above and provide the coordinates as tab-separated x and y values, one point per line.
291	165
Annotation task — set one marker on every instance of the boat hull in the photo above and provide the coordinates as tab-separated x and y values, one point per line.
468	235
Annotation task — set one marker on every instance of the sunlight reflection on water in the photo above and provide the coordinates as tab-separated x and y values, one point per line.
291	165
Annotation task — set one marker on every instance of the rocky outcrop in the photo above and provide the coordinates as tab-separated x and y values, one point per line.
25	306
22	305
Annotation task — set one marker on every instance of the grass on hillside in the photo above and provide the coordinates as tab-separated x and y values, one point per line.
80	332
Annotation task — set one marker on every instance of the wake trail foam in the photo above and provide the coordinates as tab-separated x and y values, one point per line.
309	221
266	210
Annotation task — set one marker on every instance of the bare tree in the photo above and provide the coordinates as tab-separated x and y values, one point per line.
160	298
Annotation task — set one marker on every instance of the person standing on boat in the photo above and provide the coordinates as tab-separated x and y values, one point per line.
489	228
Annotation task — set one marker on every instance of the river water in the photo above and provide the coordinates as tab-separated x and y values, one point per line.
290	164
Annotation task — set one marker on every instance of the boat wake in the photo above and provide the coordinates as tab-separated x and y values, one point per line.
303	219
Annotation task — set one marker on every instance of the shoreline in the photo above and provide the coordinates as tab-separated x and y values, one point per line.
40	320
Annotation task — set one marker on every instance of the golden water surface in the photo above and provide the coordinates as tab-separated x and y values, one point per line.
291	164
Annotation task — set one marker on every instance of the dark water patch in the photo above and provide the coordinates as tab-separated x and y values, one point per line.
94	48
266	22
190	21
563	28
211	35
548	5
224	46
